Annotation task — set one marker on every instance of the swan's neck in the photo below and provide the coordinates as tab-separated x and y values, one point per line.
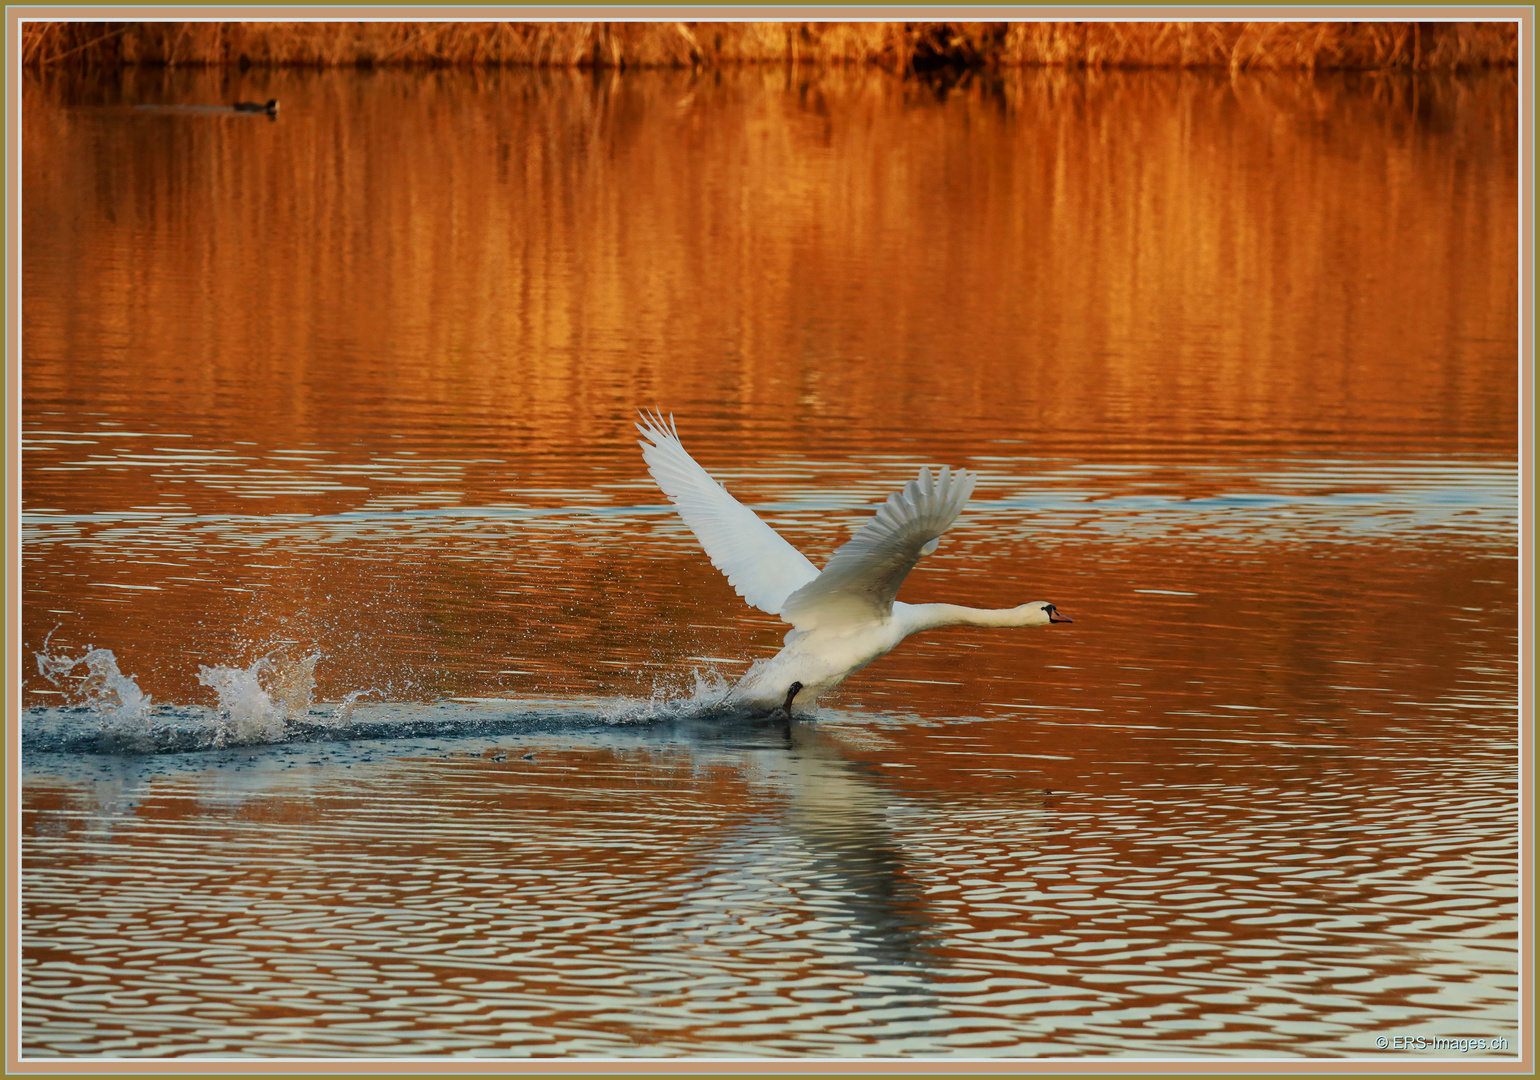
930	616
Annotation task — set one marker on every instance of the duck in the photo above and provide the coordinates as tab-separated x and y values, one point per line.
845	615
271	108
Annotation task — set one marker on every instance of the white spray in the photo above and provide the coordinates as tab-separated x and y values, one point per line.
255	701
103	689
343	713
669	700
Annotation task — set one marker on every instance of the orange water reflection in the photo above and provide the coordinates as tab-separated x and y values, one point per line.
1112	260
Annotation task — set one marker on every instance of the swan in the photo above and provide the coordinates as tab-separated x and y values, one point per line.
844	616
271	108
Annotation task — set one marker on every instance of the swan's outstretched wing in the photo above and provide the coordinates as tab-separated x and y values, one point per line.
761	566
863	576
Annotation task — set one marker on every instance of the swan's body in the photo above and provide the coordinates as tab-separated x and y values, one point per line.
844	616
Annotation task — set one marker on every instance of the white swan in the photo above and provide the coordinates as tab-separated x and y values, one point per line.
845	616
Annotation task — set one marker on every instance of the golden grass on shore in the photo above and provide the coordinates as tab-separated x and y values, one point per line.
893	45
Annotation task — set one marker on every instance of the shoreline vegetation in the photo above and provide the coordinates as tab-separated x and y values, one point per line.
896	46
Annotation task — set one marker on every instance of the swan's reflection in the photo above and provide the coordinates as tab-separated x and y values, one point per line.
829	858
843	815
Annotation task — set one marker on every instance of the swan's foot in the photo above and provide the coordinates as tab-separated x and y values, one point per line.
796	688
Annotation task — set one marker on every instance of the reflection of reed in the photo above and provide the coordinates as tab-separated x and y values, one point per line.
905	46
1298	253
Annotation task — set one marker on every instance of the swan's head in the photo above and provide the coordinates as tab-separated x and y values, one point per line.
1041	613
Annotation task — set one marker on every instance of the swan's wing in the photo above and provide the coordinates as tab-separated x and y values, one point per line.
761	566
863	576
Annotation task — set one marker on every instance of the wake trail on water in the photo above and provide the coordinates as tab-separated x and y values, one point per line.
271	702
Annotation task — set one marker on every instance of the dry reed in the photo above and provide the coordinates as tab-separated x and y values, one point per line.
896	46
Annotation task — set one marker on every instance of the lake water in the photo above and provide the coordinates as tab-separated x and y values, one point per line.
328	442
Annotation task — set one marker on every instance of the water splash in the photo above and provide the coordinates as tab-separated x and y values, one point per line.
104	689
343	713
711	687
670	702
270	702
255	702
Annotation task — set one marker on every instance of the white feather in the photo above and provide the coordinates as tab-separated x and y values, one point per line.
759	564
863	577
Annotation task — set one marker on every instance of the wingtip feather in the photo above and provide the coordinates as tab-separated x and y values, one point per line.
655	427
